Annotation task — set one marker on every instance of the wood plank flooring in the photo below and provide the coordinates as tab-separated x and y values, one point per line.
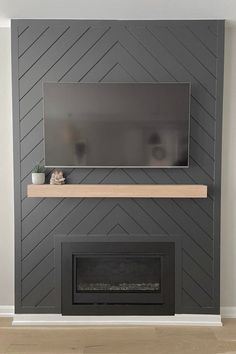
117	340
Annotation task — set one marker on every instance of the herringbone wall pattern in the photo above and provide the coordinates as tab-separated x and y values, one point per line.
117	51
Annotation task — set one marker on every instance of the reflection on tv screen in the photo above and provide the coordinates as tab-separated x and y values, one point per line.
116	125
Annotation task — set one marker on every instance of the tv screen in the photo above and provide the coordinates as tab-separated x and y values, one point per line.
116	124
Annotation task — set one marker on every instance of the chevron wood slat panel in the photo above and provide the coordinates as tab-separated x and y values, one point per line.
201	277
41	46
173	65
195	48
118	51
207	36
29	36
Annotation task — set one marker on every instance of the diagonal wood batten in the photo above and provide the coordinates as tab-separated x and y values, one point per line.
119	51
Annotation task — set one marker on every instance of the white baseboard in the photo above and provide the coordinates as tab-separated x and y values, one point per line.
59	320
6	311
228	312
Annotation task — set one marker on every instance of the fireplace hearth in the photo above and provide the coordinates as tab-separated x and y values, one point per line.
117	278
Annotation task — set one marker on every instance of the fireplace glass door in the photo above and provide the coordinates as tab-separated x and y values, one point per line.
117	278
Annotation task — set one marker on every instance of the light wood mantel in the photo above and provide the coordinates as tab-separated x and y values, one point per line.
117	191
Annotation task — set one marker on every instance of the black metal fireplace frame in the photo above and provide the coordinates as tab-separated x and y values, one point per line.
164	304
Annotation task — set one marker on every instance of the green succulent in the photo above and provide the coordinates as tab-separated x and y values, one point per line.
38	169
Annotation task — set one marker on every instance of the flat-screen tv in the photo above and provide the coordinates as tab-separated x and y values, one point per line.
116	124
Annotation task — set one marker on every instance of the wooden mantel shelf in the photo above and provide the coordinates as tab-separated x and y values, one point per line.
117	191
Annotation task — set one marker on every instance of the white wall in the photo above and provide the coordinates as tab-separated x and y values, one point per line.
228	237
228	210
117	9
6	174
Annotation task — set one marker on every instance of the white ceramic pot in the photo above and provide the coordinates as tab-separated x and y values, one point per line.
38	178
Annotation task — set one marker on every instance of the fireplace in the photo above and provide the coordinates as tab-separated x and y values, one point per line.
117	278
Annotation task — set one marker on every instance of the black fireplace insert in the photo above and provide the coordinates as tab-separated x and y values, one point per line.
117	278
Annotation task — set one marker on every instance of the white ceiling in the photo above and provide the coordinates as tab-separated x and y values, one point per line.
117	9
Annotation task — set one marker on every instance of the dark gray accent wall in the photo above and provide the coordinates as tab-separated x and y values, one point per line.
119	51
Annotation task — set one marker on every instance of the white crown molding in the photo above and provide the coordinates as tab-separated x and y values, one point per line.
228	311
5	23
59	320
7	311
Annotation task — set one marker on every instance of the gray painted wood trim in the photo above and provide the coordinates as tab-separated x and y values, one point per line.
218	158
16	156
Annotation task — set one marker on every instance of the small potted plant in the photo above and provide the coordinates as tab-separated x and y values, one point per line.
38	174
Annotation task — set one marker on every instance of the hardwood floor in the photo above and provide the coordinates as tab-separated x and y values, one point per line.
117	340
